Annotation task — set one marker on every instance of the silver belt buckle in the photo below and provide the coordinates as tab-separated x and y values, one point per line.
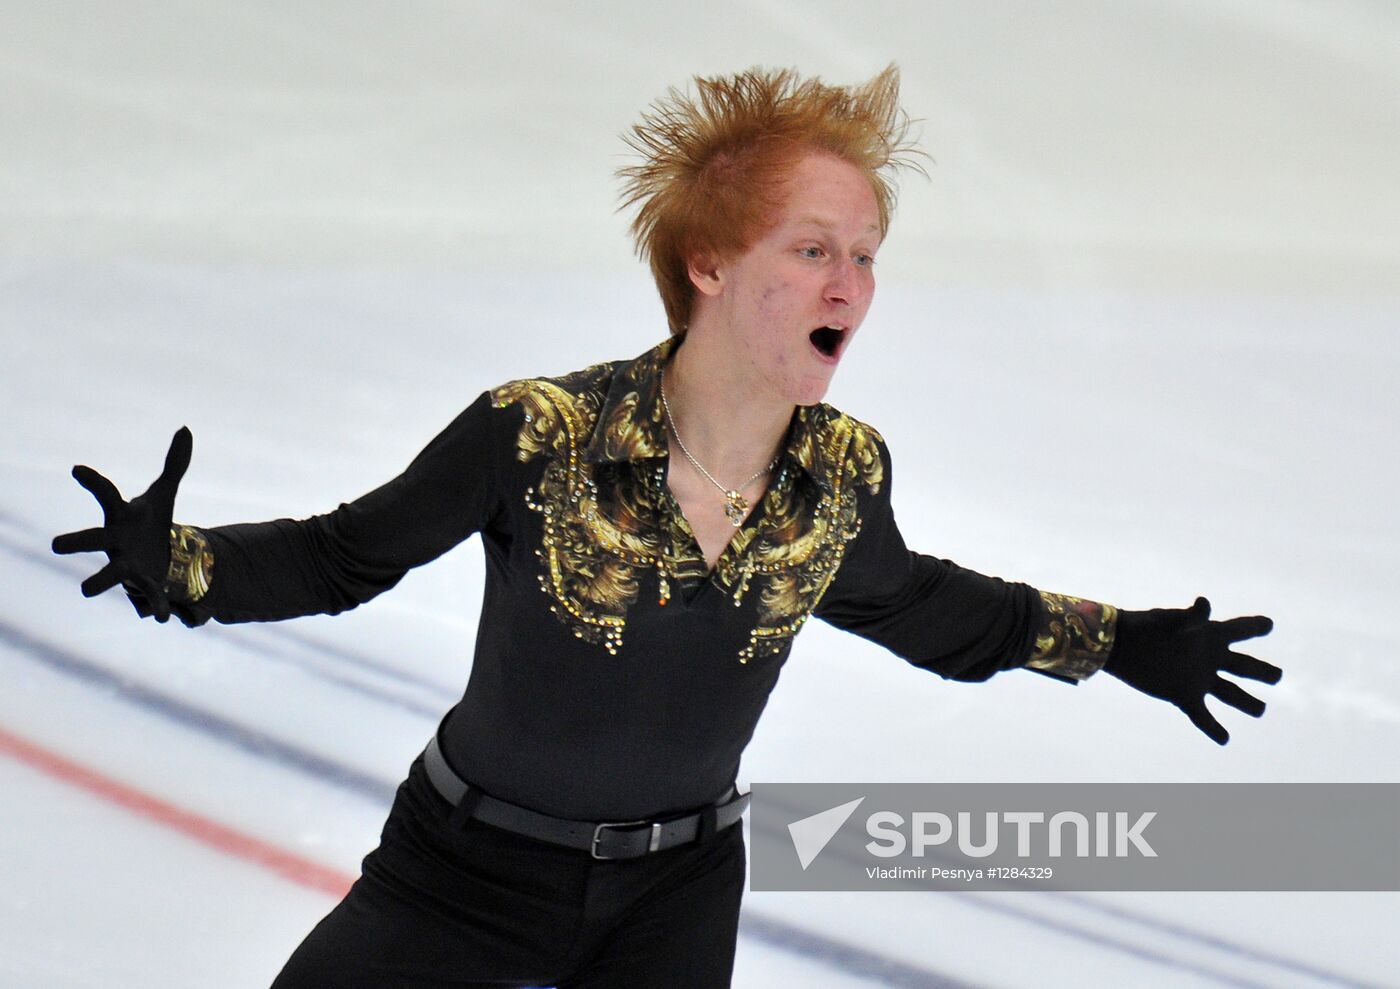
653	845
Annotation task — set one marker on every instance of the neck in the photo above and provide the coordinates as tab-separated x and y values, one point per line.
729	426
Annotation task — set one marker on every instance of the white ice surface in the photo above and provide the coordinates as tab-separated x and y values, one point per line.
1137	340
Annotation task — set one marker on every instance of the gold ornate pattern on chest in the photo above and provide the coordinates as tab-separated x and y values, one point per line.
607	524
803	531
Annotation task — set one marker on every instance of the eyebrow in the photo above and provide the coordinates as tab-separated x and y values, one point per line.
817	221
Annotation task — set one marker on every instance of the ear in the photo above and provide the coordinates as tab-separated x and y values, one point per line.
706	274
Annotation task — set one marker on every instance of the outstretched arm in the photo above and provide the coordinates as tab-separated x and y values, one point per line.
283	568
967	626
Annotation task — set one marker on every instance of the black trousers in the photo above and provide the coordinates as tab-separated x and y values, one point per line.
440	905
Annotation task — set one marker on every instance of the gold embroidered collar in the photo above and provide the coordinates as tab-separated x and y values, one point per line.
632	423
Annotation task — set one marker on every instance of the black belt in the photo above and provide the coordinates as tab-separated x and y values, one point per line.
601	839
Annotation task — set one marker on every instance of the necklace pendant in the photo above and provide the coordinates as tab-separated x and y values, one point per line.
735	507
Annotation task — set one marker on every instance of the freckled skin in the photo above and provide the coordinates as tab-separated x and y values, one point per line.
748	356
813	267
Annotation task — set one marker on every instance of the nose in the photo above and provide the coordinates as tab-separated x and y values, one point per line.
847	283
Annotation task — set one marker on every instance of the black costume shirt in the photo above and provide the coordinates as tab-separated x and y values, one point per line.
615	675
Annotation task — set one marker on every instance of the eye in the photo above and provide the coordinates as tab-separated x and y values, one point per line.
812	252
865	260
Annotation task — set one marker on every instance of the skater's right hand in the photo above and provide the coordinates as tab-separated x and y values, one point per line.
135	535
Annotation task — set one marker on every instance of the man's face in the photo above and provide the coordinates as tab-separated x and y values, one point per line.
789	305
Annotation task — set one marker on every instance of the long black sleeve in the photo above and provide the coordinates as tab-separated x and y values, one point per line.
937	615
330	563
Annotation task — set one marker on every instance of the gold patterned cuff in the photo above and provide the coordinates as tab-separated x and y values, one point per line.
1075	636
191	565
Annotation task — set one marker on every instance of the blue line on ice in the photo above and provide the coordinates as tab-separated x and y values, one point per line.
261	745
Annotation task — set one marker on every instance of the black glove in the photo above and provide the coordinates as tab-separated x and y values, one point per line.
1177	654
135	535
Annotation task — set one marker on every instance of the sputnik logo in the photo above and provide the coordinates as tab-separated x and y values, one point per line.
811	834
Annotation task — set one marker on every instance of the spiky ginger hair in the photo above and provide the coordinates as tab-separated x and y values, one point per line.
714	166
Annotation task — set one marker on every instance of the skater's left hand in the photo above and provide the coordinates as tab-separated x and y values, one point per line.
1177	654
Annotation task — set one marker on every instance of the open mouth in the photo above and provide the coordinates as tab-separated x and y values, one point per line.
827	339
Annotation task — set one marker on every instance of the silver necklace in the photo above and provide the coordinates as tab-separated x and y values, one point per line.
736	507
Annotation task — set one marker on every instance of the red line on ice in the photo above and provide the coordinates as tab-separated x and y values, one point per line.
222	838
